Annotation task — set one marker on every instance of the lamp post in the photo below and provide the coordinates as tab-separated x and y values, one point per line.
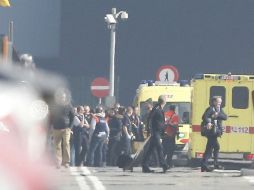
111	20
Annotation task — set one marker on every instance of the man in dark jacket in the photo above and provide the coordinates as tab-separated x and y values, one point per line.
212	120
115	125
157	120
63	118
127	134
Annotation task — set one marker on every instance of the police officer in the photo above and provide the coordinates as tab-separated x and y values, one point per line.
157	120
212	119
99	136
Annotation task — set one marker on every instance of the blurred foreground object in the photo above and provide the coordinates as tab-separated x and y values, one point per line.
26	97
27	61
5	3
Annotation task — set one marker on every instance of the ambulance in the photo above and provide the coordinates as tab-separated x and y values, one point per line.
178	94
237	92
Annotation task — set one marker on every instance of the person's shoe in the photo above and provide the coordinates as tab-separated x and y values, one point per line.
206	169
218	167
171	166
66	165
165	168
147	170
58	166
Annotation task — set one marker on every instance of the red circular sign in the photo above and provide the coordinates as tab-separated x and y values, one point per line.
100	87
167	73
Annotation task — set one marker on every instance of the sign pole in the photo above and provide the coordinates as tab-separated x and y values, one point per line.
100	101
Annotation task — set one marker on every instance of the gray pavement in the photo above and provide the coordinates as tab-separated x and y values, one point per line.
179	178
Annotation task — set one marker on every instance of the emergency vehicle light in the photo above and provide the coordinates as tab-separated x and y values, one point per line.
184	82
184	141
198	76
161	83
199	155
229	77
149	82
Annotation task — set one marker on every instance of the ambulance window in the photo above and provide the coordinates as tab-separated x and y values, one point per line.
240	97
218	91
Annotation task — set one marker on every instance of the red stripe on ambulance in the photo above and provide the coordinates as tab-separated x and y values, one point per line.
228	129
196	128
251	130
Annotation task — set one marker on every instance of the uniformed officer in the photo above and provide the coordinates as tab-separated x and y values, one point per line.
212	118
157	120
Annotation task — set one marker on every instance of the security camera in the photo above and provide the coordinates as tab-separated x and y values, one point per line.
109	18
124	16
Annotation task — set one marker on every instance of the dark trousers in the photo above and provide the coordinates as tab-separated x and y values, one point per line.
95	145
80	142
169	145
126	145
113	151
212	146
100	160
155	144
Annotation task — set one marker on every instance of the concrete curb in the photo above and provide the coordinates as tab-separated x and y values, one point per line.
247	172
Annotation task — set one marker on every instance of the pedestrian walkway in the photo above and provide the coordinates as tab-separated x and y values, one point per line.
250	179
113	178
85	179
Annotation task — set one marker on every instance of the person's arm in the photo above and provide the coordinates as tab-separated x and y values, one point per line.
207	115
76	121
107	130
222	116
93	123
125	130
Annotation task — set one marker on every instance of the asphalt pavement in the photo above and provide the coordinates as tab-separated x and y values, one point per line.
180	178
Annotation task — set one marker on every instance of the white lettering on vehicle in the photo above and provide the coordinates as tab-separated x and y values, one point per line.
236	129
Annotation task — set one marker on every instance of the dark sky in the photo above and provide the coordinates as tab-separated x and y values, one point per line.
36	26
196	36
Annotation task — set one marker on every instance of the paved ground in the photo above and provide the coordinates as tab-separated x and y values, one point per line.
177	178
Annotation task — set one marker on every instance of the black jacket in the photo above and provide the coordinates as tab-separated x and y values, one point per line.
157	120
62	116
216	121
115	125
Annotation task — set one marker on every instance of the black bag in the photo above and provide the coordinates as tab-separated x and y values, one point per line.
204	130
124	161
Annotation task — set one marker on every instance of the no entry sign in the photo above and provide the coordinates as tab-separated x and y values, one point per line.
100	87
167	73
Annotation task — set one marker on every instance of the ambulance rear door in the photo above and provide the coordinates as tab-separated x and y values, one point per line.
239	116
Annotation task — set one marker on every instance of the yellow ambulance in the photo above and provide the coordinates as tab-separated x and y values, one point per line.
237	92
178	94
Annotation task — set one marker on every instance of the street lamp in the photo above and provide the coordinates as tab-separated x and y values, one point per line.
111	20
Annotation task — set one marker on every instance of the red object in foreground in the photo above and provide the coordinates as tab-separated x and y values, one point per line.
100	87
249	157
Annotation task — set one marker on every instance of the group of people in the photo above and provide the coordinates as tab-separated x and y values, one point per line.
211	123
97	137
